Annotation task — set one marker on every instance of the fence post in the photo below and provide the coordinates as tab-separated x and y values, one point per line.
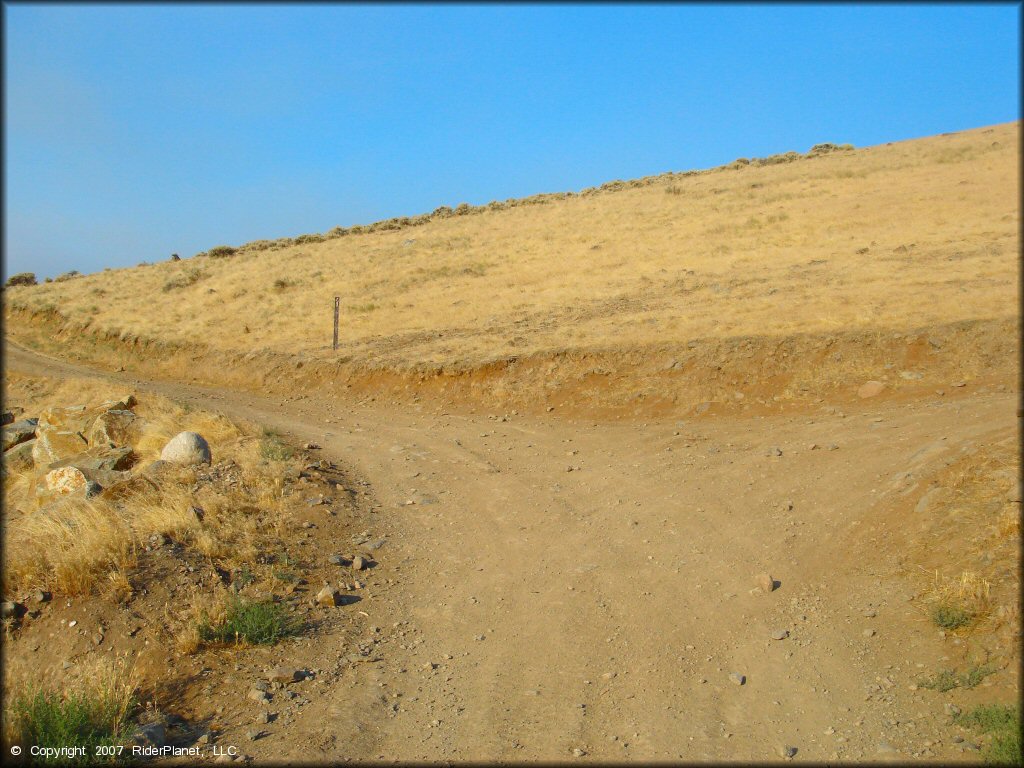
337	304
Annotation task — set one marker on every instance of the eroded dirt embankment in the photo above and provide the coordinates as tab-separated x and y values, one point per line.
746	374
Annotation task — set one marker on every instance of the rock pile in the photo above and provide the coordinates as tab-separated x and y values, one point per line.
79	451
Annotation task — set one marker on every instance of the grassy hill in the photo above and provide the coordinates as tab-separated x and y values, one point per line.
839	255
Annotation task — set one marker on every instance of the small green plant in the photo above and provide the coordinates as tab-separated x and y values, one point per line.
90	719
362	307
259	623
949	616
948	679
1003	723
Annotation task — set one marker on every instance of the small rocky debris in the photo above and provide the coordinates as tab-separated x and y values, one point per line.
737	678
254	735
780	634
358	563
765	582
260	697
787	752
312	447
868	633
577	752
41	596
952	709
885	747
870	389
773	451
337	560
187	448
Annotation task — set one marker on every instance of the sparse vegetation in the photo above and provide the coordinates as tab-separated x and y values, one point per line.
272	447
948	679
1002	723
191	277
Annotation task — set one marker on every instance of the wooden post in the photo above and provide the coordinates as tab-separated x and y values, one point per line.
337	304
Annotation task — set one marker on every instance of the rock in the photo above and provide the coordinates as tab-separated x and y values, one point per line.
959	384
66	481
54	445
8	418
41	597
263	717
958	739
780	634
312	447
187	448
152	735
375	545
258	696
18	432
787	751
868	633
773	451
99	461
114	428
253	735
19	458
327	596
870	389
336	560
11	610
737	678
952	709
358	563
577	752
765	582
285	675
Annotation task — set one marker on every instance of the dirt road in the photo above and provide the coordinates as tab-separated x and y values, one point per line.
588	586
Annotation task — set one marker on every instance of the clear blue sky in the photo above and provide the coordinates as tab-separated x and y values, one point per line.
137	131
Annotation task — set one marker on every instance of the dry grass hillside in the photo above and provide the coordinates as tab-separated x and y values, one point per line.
839	247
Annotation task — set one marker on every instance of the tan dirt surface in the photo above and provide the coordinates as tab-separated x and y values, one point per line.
574	583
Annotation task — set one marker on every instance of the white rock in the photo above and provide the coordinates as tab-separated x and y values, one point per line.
187	448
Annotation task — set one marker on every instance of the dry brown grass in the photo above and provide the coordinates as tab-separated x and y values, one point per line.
77	546
896	236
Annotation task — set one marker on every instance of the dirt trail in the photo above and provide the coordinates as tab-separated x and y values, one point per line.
603	609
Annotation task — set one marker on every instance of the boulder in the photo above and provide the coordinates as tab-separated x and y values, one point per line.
114	427
187	448
19	432
19	458
55	445
123	404
106	467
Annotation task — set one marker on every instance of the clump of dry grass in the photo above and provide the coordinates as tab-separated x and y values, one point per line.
961	602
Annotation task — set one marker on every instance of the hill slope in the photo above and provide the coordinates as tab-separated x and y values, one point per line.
841	247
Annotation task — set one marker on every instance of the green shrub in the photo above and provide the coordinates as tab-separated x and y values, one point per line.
259	623
22	278
191	277
1003	723
49	719
221	251
948	616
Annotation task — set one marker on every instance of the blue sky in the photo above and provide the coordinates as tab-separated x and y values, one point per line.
134	132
